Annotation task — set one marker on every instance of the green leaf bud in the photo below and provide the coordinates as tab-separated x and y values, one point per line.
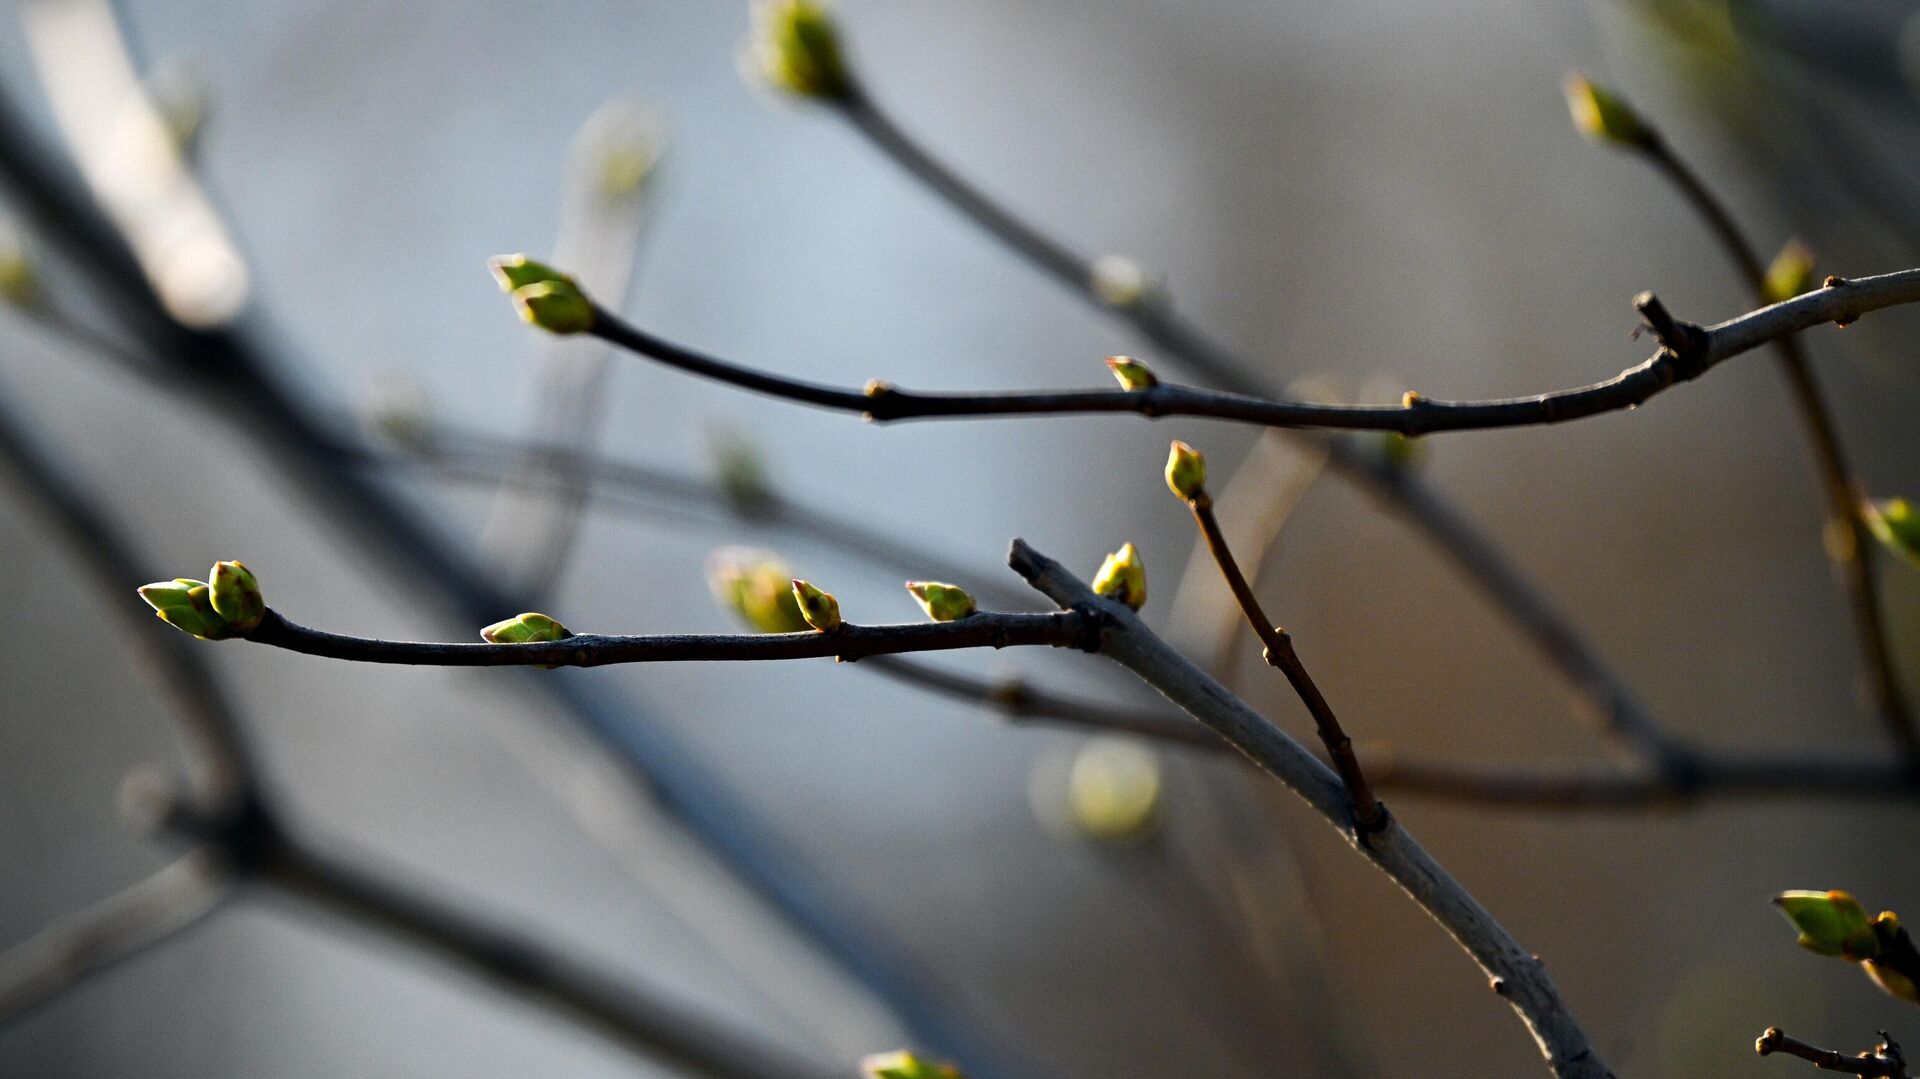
1894	524
757	587
1604	116
1186	471
820	609
531	627
1123	577
905	1065
942	602
235	594
1830	923
796	47
554	306
1132	374
186	605
1790	273
515	272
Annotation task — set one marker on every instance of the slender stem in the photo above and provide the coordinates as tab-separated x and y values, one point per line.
1884	1061
1368	814
1515	973
1060	629
1843	491
1418	415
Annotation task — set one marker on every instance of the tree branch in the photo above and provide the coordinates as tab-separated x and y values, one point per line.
1516	974
1060	629
1883	1060
1842	301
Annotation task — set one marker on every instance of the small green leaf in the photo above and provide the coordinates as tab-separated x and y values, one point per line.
529	628
1893	522
796	48
186	605
1123	577
943	602
1186	471
518	271
1132	374
1830	923
1604	116
1790	273
820	609
235	595
905	1065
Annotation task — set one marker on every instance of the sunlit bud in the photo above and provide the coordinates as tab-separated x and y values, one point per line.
235	595
795	47
514	272
820	609
1123	577
741	471
1133	374
1790	274
1113	790
1118	281
554	306
19	282
1186	471
942	602
905	1065
529	628
1602	115
1894	523
186	605
1892	981
1830	923
757	587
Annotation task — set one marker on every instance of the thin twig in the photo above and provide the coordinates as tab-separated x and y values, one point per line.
1059	629
1368	814
1884	1060
1517	975
1842	301
1843	491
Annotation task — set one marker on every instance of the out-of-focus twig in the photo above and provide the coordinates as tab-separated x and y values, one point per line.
1883	1060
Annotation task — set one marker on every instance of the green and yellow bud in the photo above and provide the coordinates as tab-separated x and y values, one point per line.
1123	577
186	605
554	306
1132	374
757	587
1893	522
529	628
1830	923
1790	273
796	48
1186	471
1604	116
942	602
820	609
515	272
905	1065
236	598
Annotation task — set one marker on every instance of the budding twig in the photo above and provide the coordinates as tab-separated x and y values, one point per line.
1883	1060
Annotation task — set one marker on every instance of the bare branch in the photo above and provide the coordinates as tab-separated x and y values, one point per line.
1883	1060
1516	974
100	938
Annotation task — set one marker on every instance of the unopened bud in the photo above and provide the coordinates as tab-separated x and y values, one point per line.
1790	273
757	587
795	47
1123	577
554	306
515	272
1830	923
942	602
1604	116
529	628
235	595
820	609
905	1065
19	281
1132	374
1186	471
186	605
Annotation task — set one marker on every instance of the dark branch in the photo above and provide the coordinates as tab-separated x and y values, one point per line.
1417	416
1883	1060
1059	629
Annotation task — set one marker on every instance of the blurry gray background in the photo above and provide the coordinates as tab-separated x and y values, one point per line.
1374	189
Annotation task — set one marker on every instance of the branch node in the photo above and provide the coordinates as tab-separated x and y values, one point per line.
1683	345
